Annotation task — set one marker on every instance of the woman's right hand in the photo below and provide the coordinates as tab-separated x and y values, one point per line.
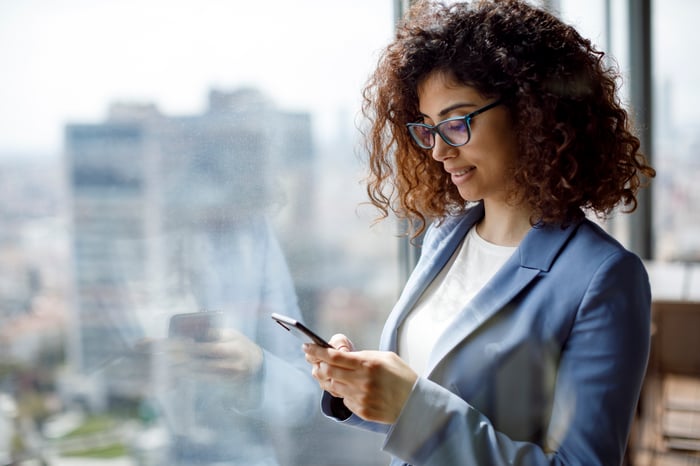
375	385
340	343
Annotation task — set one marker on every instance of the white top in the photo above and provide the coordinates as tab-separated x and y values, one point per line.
470	267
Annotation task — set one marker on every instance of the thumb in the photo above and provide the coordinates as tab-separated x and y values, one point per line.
341	342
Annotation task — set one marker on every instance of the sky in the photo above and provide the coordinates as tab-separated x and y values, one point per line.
67	60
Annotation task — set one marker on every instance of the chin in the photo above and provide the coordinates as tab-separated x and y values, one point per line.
469	196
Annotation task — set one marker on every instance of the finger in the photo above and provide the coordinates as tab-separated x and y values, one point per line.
334	357
324	382
311	360
341	342
341	375
316	373
146	345
313	351
221	368
343	359
215	351
320	371
225	333
335	387
175	350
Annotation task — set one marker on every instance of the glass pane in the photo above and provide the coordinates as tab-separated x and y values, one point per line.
676	115
676	130
166	158
604	23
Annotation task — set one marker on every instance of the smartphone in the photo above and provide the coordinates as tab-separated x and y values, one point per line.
194	325
300	330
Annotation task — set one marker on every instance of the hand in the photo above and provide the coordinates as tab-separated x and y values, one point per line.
226	353
373	384
338	341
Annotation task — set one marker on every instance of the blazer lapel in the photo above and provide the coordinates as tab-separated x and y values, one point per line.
535	254
434	255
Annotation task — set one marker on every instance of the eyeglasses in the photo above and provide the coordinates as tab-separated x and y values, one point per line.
455	131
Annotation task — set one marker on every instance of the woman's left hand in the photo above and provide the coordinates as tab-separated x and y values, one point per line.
227	354
373	384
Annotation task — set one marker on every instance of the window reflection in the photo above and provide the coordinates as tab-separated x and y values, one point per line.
247	206
170	217
242	207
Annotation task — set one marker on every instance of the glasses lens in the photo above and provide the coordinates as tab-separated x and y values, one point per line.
456	132
422	135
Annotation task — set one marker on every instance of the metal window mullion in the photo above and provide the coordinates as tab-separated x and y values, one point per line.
640	85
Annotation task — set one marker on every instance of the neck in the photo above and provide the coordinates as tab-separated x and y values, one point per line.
504	225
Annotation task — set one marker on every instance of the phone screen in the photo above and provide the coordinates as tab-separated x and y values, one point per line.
300	330
194	325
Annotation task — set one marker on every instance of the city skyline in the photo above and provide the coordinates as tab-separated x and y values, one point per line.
122	171
66	62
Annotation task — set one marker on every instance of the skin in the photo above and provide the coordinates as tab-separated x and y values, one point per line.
226	355
488	156
229	354
375	385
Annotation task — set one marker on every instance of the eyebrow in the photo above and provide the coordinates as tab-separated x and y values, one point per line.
452	107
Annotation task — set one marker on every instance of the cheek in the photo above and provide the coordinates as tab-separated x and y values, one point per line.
508	153
498	157
505	133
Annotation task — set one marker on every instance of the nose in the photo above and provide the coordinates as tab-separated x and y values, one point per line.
441	150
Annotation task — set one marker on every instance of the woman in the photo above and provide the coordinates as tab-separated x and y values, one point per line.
522	335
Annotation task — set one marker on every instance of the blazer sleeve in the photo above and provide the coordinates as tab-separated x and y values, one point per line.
597	386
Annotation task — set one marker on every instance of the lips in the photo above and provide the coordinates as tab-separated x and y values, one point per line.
464	171
461	175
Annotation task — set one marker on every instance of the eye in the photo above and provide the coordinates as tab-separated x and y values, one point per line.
423	132
455	126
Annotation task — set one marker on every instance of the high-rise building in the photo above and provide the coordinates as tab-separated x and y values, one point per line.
141	175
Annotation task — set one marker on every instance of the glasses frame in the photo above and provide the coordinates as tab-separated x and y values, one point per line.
436	128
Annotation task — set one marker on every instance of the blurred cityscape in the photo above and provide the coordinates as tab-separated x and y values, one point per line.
85	244
676	191
85	232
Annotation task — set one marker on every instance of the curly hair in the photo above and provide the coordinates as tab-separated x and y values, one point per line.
576	149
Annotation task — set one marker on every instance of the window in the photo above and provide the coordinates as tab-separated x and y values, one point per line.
676	130
674	115
161	158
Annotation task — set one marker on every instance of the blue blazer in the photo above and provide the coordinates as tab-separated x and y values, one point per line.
545	364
